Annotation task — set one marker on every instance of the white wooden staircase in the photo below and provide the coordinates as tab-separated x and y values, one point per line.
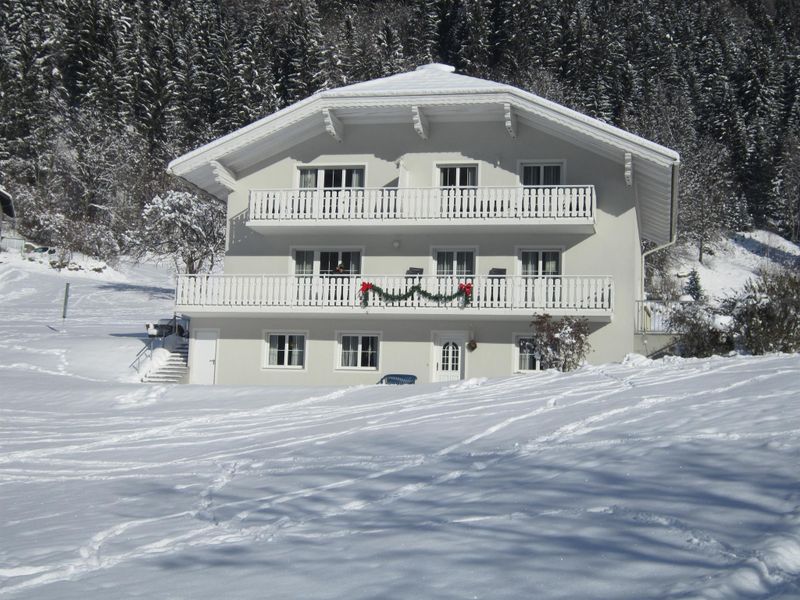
174	369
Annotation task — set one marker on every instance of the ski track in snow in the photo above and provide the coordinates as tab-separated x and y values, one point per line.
286	420
171	471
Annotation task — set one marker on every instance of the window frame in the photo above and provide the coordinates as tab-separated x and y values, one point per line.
321	167
516	355
545	162
265	335
437	174
434	262
338	366
540	249
317	250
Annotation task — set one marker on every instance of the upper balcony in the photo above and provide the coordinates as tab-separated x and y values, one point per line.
432	296
561	208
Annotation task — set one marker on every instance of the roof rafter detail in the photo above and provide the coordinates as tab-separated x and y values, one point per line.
421	125
223	175
510	119
333	125
628	169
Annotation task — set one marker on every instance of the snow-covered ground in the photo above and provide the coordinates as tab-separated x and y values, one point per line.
735	259
668	479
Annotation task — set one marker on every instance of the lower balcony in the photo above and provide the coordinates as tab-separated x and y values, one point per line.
396	295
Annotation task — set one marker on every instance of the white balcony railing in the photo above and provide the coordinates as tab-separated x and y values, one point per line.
561	203
652	316
570	293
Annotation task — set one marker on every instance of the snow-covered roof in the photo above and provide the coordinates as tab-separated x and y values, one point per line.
442	94
425	79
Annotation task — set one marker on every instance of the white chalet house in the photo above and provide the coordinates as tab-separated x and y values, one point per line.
416	224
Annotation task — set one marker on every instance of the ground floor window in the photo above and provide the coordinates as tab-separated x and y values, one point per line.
286	350
358	351
526	358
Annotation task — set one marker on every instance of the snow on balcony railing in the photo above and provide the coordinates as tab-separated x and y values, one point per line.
555	292
547	203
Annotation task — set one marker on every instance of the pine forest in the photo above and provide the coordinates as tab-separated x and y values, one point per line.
97	96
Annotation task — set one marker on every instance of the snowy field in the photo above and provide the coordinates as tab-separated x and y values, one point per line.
669	479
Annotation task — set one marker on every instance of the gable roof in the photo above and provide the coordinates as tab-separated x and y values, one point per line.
442	94
424	79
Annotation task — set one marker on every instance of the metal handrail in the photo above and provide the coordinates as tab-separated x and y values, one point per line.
146	350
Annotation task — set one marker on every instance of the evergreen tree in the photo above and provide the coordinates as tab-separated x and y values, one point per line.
389	50
299	52
423	41
706	196
787	188
693	287
474	33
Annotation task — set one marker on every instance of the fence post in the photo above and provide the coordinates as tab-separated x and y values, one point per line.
66	301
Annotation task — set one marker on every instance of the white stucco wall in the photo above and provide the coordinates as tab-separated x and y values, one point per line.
406	347
394	154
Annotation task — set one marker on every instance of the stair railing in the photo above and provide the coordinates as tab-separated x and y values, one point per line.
145	352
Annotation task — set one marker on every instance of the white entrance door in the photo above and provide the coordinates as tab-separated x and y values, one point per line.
449	363
203	369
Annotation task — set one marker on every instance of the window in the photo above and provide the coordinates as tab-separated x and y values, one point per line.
543	174
327	262
540	262
286	350
332	177
455	262
540	282
335	262
458	176
358	351
525	358
304	262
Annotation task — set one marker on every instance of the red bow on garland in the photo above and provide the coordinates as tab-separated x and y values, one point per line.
365	287
466	288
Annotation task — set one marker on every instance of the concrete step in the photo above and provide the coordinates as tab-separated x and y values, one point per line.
173	370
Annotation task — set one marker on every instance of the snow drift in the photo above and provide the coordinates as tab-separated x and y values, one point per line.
666	479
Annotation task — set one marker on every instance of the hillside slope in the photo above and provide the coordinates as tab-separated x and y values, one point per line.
734	259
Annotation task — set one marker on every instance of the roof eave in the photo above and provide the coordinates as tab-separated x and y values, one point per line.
200	158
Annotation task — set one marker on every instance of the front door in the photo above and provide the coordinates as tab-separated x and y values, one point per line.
449	359
203	356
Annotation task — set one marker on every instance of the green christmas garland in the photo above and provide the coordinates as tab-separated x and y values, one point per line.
464	292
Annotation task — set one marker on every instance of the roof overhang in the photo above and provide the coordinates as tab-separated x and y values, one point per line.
6	204
651	168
